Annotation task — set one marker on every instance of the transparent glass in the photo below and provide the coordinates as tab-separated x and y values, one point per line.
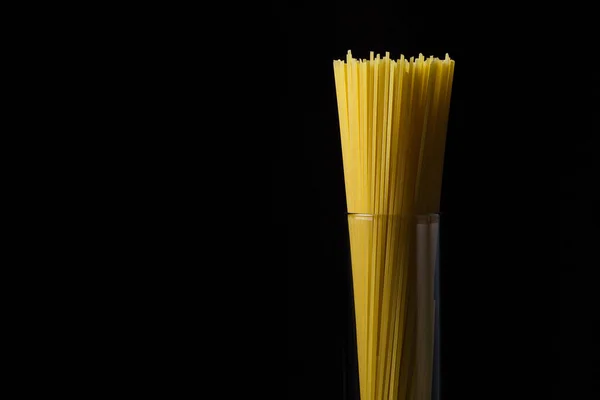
395	275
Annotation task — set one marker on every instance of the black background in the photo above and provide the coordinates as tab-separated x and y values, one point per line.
519	237
507	202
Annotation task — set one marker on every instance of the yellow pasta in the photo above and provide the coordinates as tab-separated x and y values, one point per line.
393	117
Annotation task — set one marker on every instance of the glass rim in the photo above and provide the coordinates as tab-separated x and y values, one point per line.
387	214
427	217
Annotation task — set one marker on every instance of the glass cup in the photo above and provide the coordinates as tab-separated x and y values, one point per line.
395	275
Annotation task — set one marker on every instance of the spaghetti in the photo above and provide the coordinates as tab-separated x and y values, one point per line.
393	117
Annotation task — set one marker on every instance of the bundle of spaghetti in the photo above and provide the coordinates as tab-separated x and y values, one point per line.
393	118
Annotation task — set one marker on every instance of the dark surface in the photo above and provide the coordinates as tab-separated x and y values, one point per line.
501	234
